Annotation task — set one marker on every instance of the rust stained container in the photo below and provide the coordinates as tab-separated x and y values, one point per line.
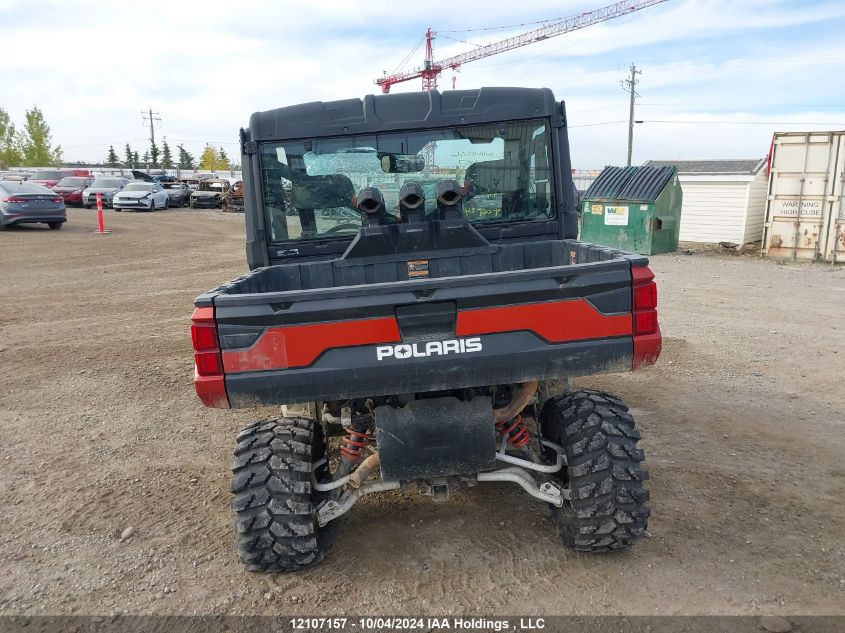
805	211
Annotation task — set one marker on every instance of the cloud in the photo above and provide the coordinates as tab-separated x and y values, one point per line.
94	65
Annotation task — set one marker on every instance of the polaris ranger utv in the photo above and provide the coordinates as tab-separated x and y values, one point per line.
418	290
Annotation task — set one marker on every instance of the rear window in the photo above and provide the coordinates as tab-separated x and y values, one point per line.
138	186
24	187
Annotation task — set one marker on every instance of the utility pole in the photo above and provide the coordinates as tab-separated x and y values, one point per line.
630	86
151	116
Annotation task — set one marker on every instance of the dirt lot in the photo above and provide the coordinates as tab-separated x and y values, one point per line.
742	418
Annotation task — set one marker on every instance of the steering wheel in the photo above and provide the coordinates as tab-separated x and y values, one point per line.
342	227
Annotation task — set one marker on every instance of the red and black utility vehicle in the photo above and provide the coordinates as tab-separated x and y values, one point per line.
417	302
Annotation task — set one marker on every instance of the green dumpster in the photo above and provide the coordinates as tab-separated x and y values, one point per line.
633	209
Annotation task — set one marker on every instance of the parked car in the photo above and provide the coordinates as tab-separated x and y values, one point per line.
16	176
28	202
193	183
107	187
236	200
48	177
158	176
71	187
146	196
179	193
211	194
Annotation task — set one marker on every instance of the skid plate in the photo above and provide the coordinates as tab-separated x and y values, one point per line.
436	437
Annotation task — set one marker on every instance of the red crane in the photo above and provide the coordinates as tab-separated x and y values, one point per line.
431	68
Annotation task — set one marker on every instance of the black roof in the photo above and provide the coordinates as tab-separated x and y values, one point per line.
402	111
641	184
743	166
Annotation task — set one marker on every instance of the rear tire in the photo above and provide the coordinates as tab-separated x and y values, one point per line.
608	508
166	203
55	226
275	507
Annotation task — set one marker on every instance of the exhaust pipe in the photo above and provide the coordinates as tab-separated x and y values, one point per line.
450	199
412	202
371	207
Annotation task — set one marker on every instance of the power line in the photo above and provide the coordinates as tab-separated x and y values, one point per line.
840	123
595	124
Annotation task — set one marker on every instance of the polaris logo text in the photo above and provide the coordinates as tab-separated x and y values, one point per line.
432	348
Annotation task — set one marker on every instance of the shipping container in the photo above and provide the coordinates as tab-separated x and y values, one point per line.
805	217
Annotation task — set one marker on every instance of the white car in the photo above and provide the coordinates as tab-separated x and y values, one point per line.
146	196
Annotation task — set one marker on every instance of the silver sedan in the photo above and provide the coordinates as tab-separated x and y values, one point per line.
143	196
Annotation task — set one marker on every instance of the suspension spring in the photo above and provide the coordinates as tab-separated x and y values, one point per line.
355	444
515	430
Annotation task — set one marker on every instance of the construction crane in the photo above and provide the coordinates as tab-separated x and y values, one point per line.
431	69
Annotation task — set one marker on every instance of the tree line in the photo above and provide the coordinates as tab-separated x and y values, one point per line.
211	159
31	146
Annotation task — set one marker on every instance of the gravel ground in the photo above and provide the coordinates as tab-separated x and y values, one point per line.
114	479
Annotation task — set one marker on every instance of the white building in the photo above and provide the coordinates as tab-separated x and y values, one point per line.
724	200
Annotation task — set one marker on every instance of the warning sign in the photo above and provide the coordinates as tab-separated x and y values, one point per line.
596	209
790	207
616	216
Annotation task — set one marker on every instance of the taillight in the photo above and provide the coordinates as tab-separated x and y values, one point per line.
13	199
645	296
57	199
208	361
647	339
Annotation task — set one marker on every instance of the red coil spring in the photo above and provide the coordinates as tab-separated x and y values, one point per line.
516	431
355	444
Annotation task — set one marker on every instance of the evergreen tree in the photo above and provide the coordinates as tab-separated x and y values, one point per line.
112	160
136	161
222	160
154	154
128	161
208	159
146	162
186	159
166	157
36	142
10	154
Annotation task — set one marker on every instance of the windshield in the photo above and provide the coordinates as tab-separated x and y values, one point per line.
172	185
72	182
106	183
310	186
138	186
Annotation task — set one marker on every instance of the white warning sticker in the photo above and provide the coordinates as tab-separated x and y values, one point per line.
616	216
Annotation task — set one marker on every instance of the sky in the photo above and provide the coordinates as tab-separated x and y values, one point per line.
718	76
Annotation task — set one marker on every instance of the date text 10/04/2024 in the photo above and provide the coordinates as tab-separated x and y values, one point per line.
422	623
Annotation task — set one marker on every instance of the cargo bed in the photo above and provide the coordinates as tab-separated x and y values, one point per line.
345	328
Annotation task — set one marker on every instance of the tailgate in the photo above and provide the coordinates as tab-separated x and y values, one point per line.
424	335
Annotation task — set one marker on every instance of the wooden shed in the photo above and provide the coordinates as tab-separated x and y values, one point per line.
724	200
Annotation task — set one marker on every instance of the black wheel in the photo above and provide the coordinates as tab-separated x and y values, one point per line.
55	226
608	508
275	507
87	206
167	203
